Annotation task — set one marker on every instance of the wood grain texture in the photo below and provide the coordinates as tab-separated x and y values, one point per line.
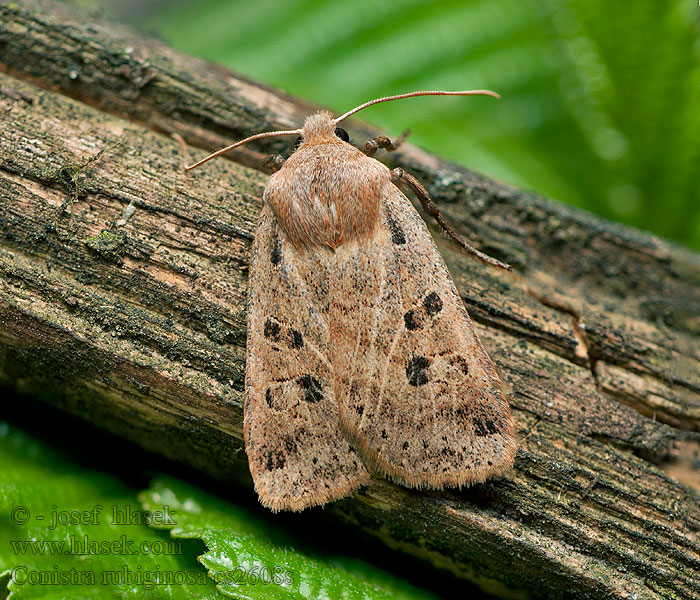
141	328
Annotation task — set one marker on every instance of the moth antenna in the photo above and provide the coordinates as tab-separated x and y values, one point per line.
419	93
252	138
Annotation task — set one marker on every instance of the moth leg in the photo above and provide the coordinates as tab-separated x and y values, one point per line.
399	175
381	141
273	163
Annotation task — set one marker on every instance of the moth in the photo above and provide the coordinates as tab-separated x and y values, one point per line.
361	357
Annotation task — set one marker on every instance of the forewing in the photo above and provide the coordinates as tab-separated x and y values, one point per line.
418	395
297	453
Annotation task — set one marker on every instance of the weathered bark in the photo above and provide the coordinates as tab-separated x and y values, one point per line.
141	328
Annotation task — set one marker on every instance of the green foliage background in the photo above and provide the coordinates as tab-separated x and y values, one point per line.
600	99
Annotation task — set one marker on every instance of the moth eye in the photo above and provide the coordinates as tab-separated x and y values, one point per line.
342	134
299	142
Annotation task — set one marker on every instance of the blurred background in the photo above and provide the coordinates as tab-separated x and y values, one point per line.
600	103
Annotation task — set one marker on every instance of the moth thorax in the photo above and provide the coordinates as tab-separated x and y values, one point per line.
327	194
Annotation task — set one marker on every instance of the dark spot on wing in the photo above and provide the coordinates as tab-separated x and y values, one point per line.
290	445
268	398
296	340
359	409
272	330
397	234
384	434
276	254
485	427
313	392
461	413
432	304
275	460
405	446
460	363
412	320
415	371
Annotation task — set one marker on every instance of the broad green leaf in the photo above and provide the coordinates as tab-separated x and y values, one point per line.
250	558
98	552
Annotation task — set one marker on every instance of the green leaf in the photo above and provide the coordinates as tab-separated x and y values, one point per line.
71	532
250	558
91	555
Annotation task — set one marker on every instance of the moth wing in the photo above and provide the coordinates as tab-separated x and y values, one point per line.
297	453
418	395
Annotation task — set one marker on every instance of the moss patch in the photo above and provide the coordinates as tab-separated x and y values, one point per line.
111	245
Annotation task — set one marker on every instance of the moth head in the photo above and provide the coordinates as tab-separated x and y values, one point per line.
322	127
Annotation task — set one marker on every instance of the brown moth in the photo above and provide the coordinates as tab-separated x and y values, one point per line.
361	357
